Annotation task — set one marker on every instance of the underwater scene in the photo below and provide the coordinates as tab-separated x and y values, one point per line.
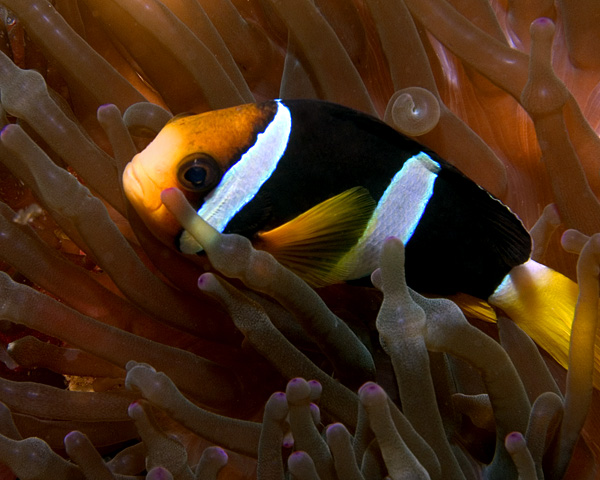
306	239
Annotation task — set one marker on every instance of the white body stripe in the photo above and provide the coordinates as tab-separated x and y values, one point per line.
398	213
243	180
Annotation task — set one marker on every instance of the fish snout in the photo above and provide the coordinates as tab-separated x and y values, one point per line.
144	195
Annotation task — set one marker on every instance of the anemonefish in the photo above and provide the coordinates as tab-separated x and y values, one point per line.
321	186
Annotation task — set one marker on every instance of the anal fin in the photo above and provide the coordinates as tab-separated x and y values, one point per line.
474	307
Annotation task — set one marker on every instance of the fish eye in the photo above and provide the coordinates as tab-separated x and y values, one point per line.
199	173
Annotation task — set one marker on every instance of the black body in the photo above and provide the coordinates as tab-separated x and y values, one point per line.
467	241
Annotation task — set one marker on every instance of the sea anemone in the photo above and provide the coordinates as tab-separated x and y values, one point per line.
491	88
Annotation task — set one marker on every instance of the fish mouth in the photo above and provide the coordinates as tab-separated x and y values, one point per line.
140	188
131	182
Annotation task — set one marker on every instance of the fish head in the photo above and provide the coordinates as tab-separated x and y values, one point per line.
191	153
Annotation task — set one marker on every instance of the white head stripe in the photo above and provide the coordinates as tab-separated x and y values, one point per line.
398	212
243	180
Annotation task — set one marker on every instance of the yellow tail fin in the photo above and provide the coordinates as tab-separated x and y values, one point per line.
542	302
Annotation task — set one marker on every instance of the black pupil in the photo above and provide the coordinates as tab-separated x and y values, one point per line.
196	175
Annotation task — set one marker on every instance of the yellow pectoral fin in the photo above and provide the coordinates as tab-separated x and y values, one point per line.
313	243
542	302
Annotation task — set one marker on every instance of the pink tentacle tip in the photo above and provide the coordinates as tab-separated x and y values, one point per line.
316	389
217	454
106	107
371	393
513	441
334	429
297	456
368	388
73	438
168	192
135	408
288	438
204	280
542	22
298	384
160	473
542	28
7	130
287	443
297	390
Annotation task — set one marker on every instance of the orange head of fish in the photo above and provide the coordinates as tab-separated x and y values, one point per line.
191	153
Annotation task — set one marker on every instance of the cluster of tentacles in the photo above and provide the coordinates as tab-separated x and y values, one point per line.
534	425
86	291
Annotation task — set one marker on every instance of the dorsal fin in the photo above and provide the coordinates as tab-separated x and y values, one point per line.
313	243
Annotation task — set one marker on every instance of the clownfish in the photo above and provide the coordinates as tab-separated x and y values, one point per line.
321	186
